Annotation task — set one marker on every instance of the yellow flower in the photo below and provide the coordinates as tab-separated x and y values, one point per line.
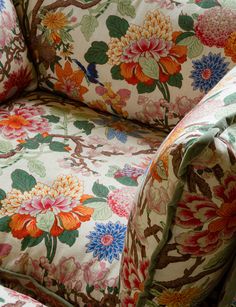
55	21
185	298
230	47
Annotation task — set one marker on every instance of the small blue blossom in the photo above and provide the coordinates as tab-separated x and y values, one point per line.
120	135
208	71
2	5
107	241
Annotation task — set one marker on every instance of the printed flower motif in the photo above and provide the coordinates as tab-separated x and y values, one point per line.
164	4
141	44
7	25
69	81
184	298
59	205
215	25
117	101
106	241
55	21
95	273
198	211
208	71
133	276
129	171
21	121
55	27
121	201
230	46
16	82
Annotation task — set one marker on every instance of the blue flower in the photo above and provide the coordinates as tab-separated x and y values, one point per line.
2	5
107	241
208	71
120	135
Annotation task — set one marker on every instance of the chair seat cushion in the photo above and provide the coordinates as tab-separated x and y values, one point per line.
9	297
68	178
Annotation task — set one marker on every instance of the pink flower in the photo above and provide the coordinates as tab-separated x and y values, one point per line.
20	121
8	20
151	110
95	272
5	250
197	243
154	47
215	25
121	201
183	105
56	205
67	270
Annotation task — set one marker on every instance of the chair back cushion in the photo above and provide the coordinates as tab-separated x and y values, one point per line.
149	60
181	235
16	71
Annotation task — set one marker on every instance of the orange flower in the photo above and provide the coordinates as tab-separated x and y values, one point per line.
55	21
69	81
230	46
185	298
59	205
15	122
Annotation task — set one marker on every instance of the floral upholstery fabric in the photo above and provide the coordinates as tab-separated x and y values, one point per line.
181	235
67	183
12	298
16	72
149	60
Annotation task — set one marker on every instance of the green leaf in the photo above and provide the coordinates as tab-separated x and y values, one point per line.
184	35
2	194
228	3
126	8
117	26
116	74
84	125
149	67
195	47
44	221
5	146
127	181
101	212
232	138
195	16
93	200
100	190
88	25
145	88
89	288
22	181
40	139
96	204
97	53
4	224
69	237
175	80
31	144
206	4
186	22
2	300
37	167
52	118
57	146
230	99
30	242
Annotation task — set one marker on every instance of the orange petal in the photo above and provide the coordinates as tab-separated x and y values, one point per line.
85	197
170	66
56	230
127	70
18	225
68	71
84	212
179	52
82	91
141	76
218	225
59	72
175	34
32	228
78	76
69	220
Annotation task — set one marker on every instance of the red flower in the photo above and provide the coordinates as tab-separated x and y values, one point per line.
16	83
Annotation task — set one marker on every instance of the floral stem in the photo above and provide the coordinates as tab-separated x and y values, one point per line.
51	245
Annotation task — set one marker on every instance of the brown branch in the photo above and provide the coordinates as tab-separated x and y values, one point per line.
12	152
